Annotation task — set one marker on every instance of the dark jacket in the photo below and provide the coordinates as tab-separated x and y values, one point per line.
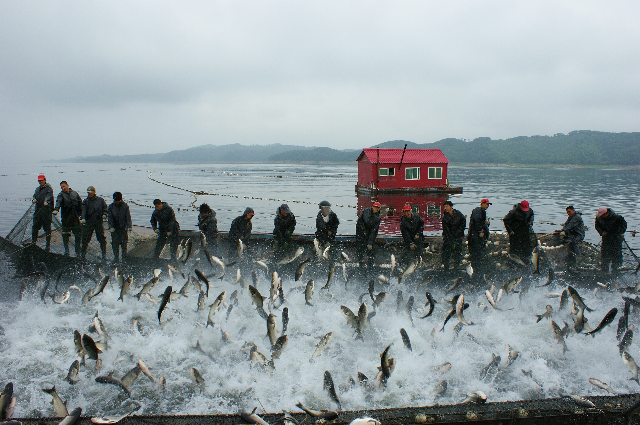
240	229
44	194
574	228
69	205
367	227
323	229
283	227
518	221
478	223
164	219
208	225
615	225
119	217
410	227
453	226
93	209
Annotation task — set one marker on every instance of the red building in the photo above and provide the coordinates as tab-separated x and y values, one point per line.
401	171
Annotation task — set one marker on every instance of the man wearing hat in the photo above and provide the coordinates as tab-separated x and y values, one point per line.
164	223
611	227
69	203
477	237
366	233
453	225
411	228
94	211
43	198
284	224
240	231
119	220
326	224
572	234
518	223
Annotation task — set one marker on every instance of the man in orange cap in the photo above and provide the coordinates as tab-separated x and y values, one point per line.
519	222
411	227
366	233
43	198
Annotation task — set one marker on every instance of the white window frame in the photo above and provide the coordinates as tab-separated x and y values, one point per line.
390	172
435	173
412	168
434	210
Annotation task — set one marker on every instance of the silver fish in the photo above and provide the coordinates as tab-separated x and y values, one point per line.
409	270
148	287
113	381
327	415
322	345
332	272
631	365
577	298
546	315
308	292
405	339
558	335
331	389
72	417
535	260
196	378
272	332
440	388
252	418
124	288
379	299
510	285
602	385
59	406
278	346
73	372
215	307
608	318
477	397
292	257
300	269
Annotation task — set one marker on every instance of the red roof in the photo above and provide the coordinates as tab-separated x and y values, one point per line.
411	156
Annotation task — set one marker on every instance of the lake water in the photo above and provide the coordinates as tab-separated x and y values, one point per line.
36	342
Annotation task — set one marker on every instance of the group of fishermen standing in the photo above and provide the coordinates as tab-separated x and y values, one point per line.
81	218
84	217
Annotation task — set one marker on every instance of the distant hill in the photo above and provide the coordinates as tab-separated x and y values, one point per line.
583	147
316	155
234	153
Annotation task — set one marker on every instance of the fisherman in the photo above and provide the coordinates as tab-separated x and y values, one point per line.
43	198
572	233
208	225
164	223
411	227
240	231
611	227
519	225
453	225
284	224
94	211
366	233
69	203
119	220
326	225
477	236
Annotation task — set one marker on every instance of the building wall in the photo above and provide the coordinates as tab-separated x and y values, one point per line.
367	173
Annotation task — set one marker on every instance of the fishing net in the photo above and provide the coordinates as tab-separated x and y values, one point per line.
141	241
21	232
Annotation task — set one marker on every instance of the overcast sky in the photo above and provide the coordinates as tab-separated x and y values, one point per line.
127	77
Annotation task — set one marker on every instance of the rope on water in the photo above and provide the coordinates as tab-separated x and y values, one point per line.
257	198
